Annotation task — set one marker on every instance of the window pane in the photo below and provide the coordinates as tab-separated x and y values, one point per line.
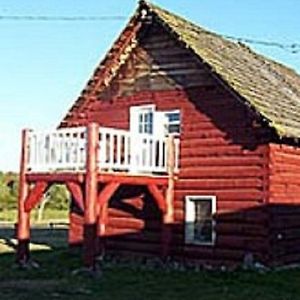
173	117
173	122
203	231
203	209
151	117
174	128
140	128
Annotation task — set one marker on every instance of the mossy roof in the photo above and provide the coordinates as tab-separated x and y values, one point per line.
270	88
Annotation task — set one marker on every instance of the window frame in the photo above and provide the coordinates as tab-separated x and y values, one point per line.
136	109
189	238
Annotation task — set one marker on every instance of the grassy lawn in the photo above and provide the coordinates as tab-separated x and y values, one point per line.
54	280
49	215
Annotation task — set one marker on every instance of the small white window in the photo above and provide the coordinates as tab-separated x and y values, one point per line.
199	220
172	122
141	119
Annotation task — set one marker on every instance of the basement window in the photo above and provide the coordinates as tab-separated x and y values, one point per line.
199	220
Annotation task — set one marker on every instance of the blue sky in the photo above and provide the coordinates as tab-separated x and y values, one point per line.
44	65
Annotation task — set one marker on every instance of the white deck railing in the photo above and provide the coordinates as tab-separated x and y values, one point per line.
119	150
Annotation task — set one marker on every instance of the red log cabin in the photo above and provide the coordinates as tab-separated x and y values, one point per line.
183	145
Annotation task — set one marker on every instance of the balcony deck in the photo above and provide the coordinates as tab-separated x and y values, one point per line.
93	162
119	151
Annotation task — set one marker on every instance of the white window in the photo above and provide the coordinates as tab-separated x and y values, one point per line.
172	122
141	119
145	119
199	220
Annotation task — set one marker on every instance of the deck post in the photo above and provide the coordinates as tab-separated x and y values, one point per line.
168	216
23	226
91	188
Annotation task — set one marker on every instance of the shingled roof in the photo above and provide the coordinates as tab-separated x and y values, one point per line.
267	87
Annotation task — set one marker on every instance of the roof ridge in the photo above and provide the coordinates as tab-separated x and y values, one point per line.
271	89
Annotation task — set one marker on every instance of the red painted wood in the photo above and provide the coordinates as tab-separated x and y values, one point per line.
76	191
59	177
23	226
132	179
35	195
284	202
107	192
223	152
158	196
90	216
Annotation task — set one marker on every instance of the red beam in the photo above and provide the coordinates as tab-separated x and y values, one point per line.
158	197
133	179
35	195
56	177
76	191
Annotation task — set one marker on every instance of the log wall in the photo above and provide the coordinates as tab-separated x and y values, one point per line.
223	153
284	203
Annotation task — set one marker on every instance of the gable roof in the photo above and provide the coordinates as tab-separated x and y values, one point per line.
267	87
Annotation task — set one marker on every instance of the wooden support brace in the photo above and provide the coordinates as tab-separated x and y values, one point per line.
76	191
158	197
35	195
102	212
107	192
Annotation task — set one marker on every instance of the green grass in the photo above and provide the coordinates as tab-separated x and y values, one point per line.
54	280
49	215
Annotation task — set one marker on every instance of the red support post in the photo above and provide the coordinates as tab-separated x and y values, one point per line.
91	189
23	226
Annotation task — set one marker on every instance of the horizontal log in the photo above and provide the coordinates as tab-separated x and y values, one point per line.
188	184
208	252
222	172
133	235
134	246
132	223
223	206
246	243
241	160
243	230
226	194
189	151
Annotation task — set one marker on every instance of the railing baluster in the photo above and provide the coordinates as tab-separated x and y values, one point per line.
126	150
118	141
160	153
65	149
111	149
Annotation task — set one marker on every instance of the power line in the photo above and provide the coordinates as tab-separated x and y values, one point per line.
293	48
60	18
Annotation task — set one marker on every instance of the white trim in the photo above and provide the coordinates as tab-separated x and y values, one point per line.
190	218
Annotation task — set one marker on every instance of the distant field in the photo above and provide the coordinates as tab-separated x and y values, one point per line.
55	280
